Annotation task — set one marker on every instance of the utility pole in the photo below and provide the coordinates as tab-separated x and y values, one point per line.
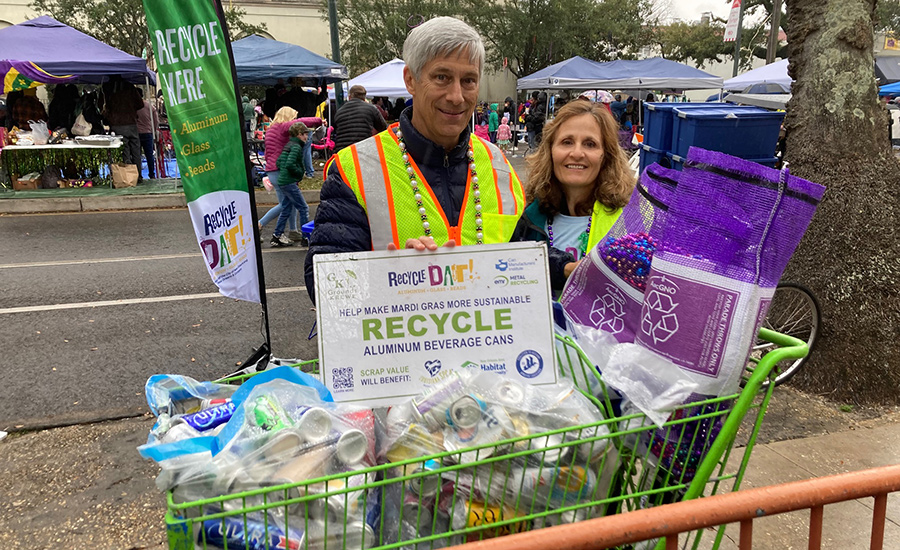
774	30
335	49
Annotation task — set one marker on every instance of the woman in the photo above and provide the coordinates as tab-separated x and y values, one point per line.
290	172
579	180
275	141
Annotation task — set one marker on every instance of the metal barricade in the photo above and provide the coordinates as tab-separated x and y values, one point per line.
669	521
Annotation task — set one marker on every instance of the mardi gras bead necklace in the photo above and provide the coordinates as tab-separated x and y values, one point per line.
582	239
426	226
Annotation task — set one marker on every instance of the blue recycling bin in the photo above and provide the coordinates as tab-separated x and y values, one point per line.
649	155
747	132
658	122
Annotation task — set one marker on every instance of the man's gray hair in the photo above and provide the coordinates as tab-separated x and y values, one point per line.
439	37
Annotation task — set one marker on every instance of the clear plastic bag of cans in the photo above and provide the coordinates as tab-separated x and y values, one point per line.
277	444
504	457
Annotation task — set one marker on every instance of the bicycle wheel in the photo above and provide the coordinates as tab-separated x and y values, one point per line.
794	311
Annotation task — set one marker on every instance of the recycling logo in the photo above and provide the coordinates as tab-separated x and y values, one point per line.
608	311
658	319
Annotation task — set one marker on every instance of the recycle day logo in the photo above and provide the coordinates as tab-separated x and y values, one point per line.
608	311
658	318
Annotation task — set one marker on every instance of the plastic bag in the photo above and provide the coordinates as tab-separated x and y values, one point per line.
729	233
39	132
607	290
81	127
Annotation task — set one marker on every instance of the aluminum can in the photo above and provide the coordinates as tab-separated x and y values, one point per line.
268	414
545	455
494	426
418	512
465	514
282	445
209	418
351	446
510	393
335	507
178	431
432	407
241	532
425	486
464	416
314	423
210	403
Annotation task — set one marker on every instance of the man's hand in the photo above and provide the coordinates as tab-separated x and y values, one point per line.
422	243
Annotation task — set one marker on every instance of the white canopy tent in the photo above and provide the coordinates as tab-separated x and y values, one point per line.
383	81
776	72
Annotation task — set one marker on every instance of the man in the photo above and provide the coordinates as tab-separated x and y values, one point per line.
119	104
412	186
356	120
28	107
535	118
147	123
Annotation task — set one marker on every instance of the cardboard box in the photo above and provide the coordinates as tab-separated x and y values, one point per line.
64	183
24	185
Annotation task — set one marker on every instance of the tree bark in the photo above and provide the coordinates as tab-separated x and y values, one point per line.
837	135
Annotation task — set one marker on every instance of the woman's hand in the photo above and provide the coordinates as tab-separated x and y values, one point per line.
422	243
570	267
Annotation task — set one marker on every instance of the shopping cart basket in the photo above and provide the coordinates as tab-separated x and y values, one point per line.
541	479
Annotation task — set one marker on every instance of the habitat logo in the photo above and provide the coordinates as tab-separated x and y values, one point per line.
498	367
529	363
342	285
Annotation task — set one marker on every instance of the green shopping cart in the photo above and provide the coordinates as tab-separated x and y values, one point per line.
616	465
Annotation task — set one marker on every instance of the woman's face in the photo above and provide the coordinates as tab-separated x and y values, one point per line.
577	153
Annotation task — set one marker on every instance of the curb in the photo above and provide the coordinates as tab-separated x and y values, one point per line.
60	205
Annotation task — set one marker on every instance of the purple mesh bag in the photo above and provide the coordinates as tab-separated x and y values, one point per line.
606	290
730	231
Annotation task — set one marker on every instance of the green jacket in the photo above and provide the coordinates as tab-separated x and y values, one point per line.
290	163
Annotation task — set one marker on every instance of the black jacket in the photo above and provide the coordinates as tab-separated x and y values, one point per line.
355	121
342	224
534	120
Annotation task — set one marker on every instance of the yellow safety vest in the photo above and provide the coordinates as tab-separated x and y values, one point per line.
602	221
375	171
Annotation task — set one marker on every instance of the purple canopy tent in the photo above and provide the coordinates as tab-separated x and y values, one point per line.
63	52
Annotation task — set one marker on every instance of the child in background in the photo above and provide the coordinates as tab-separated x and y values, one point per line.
481	130
504	134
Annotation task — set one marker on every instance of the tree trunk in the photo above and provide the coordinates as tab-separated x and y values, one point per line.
837	135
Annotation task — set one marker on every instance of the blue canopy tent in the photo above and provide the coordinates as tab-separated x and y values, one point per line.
655	73
62	51
263	61
890	89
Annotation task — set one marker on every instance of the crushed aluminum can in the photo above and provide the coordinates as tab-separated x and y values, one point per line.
314	423
242	532
510	393
335	507
415	441
494	425
418	512
431	408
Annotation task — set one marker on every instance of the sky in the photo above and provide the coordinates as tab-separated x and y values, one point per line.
691	10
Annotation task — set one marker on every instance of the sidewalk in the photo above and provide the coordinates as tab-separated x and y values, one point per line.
156	195
86	486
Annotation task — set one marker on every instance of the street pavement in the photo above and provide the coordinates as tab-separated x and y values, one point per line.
84	485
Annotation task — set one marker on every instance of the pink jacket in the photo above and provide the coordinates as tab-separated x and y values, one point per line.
277	138
504	133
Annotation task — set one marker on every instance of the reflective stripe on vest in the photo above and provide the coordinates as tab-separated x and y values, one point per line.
602	221
375	171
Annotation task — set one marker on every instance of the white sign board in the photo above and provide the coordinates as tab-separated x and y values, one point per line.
734	18
391	324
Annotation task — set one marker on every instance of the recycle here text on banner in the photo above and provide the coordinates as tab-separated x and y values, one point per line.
392	324
194	71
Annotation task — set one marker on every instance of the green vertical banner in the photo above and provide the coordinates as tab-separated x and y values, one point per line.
195	71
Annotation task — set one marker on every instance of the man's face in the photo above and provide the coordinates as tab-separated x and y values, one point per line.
444	97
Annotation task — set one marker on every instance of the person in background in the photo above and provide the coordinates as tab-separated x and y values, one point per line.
147	123
62	110
379	104
493	122
509	110
580	180
277	137
247	113
420	192
356	120
534	120
119	104
617	108
290	172
27	107
504	134
397	109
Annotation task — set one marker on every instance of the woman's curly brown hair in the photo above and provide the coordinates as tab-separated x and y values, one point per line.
616	179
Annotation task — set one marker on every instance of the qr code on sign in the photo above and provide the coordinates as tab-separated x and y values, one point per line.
342	378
